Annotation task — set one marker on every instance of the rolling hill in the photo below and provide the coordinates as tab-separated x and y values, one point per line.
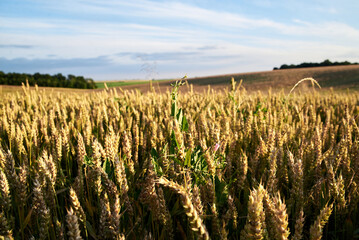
338	77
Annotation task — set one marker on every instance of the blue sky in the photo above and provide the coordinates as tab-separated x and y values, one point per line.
109	40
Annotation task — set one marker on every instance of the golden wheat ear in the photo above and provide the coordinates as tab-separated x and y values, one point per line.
195	220
312	80
316	230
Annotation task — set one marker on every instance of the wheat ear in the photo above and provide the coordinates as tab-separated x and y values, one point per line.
73	226
304	79
192	214
316	230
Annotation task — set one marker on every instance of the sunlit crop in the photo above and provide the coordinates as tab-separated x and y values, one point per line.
126	165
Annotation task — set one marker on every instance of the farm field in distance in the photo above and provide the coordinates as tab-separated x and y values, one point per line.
338	77
175	163
101	85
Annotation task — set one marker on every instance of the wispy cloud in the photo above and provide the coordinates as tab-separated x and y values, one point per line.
48	64
16	46
170	10
161	56
177	11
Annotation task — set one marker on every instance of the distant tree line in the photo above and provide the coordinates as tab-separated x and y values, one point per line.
322	64
47	80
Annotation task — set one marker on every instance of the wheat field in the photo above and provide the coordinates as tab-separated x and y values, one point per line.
211	165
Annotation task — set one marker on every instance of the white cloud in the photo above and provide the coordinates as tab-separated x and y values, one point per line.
200	17
334	31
